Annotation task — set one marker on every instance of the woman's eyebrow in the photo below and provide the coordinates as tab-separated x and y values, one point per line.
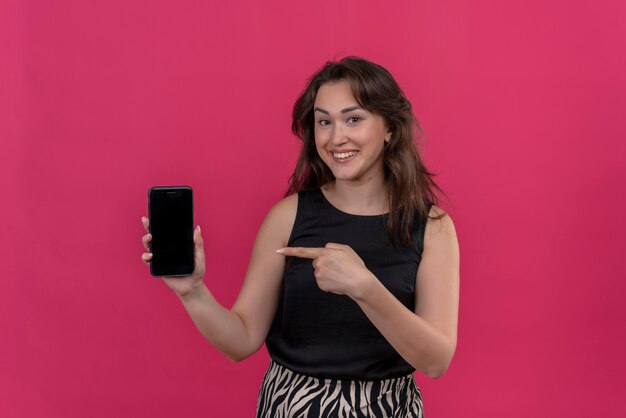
347	109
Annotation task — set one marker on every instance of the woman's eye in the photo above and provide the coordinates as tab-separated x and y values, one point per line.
351	119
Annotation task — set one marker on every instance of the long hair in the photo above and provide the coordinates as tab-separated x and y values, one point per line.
410	185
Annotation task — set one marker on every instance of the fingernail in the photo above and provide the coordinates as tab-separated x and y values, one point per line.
280	251
150	254
198	228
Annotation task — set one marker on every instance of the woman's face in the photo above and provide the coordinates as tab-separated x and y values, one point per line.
348	138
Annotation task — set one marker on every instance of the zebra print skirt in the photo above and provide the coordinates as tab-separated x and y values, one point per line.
287	394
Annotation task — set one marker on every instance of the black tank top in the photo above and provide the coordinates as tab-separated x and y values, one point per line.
327	335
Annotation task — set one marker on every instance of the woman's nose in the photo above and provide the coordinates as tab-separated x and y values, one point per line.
338	135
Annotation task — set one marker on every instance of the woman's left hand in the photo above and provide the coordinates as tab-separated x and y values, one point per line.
338	269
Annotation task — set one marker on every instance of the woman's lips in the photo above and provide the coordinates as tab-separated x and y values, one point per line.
344	160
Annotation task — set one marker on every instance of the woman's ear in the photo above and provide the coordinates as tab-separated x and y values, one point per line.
388	136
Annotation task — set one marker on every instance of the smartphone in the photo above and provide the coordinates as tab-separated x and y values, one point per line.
170	210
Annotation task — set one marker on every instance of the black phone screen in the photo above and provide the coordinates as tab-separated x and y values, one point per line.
170	209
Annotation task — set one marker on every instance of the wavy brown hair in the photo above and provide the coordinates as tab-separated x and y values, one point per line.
409	183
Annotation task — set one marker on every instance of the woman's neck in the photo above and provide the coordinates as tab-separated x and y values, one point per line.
366	198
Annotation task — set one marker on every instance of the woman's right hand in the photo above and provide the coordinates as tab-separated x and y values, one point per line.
182	285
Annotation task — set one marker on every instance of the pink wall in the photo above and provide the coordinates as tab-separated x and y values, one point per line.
523	104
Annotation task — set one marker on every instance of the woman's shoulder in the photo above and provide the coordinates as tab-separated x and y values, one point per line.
284	211
281	218
436	212
439	221
286	205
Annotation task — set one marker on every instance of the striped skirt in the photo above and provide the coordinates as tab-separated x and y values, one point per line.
287	394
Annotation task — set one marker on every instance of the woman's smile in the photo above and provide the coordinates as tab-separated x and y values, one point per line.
344	157
348	138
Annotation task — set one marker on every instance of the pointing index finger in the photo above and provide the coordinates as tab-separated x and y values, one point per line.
302	252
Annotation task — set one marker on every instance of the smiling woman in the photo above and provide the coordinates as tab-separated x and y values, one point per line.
353	280
348	138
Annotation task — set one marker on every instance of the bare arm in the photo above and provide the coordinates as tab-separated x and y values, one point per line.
221	327
240	331
426	338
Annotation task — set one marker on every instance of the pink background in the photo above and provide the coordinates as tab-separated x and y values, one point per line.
523	104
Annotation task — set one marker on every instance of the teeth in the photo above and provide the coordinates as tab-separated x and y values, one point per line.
344	154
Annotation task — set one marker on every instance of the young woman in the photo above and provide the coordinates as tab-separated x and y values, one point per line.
353	281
